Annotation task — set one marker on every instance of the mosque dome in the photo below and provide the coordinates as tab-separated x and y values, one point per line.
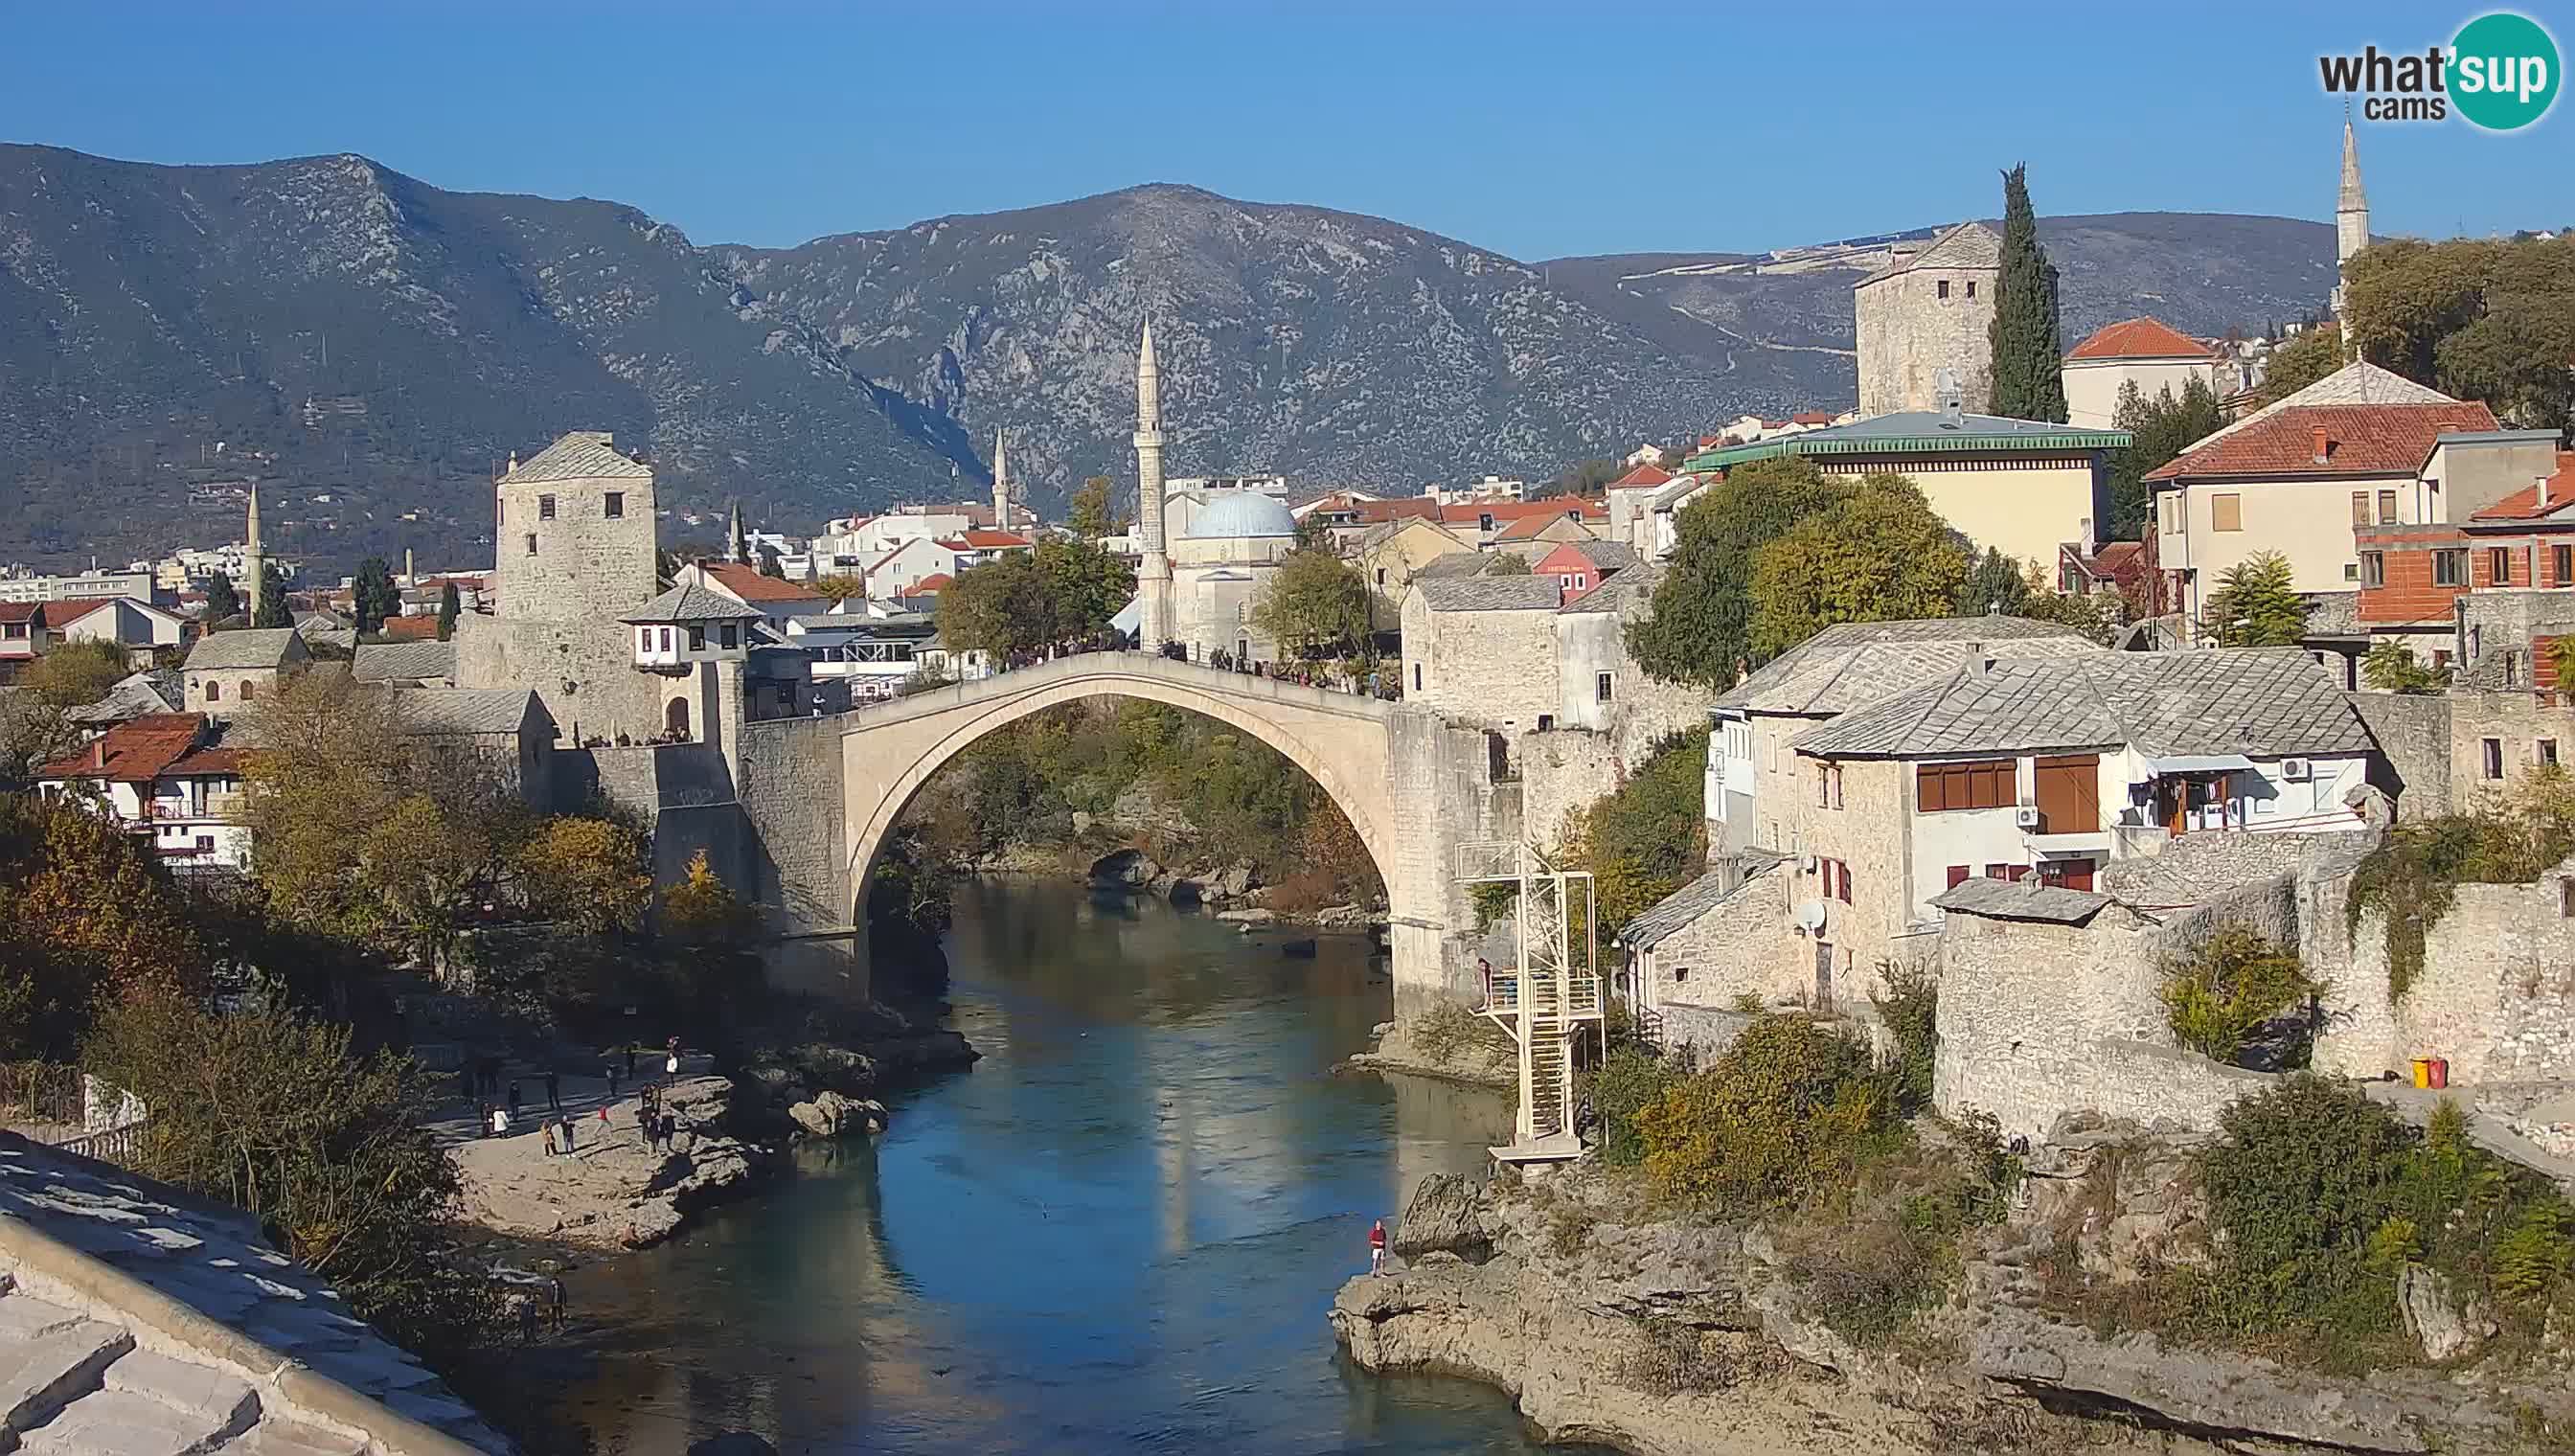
1230	515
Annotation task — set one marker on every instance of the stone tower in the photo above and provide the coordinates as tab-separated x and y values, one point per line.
1001	485
2351	234
254	561
575	537
1930	308
1153	574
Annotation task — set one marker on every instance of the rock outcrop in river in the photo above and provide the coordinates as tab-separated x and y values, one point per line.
1684	1337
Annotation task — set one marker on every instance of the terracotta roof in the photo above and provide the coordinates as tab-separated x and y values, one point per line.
928	585
408	629
59	614
1644	475
2359	440
2141	339
1410	508
1813	417
2526	504
749	585
1531	526
134	752
22	611
1515	509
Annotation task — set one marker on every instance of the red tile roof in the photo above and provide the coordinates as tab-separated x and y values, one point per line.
1377	512
1528	528
59	614
2359	440
2116	556
748	585
1813	417
2141	339
408	629
22	611
137	751
928	585
1500	510
2526	504
1648	473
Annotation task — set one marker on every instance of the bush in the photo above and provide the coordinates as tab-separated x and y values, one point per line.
1628	1080
1910	1012
2231	990
1445	1028
1896	1250
1789	1109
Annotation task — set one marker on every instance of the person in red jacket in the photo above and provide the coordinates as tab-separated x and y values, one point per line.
1377	1247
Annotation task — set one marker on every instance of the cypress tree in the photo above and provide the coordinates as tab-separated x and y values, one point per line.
448	608
2029	382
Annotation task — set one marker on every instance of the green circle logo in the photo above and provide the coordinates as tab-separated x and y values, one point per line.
2503	71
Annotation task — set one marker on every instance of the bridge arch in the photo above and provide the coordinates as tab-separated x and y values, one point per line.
1338	739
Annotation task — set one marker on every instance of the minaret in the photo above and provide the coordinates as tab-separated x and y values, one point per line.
735	544
1154	574
254	562
411	569
2351	234
1001	485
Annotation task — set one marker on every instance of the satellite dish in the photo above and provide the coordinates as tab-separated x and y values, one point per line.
1946	379
1810	915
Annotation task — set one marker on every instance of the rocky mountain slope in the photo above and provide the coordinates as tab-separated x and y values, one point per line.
374	345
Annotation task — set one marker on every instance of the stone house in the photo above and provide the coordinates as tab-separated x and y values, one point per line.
2146	353
2297	476
1630	498
2020	487
163	777
1849	665
1483	650
1710	943
226	670
505	730
1924	312
2051	769
1391	555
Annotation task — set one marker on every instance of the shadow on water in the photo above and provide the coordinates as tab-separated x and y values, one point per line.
1120	1232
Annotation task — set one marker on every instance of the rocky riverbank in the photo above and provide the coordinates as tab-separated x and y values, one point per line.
614	1191
1682	1338
1474	1054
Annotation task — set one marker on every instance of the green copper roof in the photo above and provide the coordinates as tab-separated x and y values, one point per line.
1918	432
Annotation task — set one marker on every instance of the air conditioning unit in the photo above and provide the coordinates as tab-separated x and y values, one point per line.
2026	816
2296	768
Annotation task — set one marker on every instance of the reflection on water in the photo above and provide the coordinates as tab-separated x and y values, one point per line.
1120	1232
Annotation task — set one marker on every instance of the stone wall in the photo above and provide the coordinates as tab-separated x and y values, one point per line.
1496	669
586	566
1706	1031
2413	737
2519	723
788	785
1742	946
2495	998
1866	833
583	671
1909	332
1561	773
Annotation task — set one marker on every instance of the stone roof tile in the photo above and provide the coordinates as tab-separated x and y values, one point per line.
245	647
1857	663
1491	593
583	455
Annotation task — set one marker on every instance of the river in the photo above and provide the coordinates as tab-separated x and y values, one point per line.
1119	1232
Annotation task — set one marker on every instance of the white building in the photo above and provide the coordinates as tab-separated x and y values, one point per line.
161	777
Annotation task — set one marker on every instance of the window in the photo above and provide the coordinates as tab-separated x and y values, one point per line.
2547	753
614	508
1971	288
2440	660
2449	569
2566	899
2226	513
2499	566
2172	512
1843	876
1417	677
1380	576
214	691
2387	508
1484	522
2351	571
248	690
1829	784
2374	568
2360	508
1939	788
785	697
2493	765
2561	565
532	542
666	638
544	508
1681	972
1547	722
1565	583
1957	875
730	634
697	636
1600	685
1944	288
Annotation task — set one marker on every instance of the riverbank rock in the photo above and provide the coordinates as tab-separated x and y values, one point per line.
613	1191
1256	915
1143	810
1478	1060
1125	870
1445	1216
831	1114
2444	1326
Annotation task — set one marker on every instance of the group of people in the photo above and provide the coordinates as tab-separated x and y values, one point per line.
499	1109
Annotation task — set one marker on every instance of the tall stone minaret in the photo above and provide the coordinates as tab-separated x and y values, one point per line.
736	544
2351	234
1154	574
1001	485
254	561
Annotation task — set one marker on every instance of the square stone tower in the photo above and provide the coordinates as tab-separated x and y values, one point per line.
1927	310
574	533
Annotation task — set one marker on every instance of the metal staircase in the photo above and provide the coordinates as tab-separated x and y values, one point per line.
1546	998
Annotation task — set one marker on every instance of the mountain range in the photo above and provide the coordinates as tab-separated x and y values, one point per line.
374	347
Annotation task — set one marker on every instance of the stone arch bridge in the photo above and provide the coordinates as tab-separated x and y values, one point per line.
821	796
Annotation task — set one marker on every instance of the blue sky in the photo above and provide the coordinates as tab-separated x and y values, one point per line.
1537	131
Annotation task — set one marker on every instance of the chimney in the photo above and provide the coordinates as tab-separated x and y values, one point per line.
98	752
2321	443
1979	666
2544	479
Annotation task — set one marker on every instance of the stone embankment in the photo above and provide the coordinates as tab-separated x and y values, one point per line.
1682	1337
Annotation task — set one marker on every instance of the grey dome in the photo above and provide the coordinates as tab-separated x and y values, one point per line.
1231	514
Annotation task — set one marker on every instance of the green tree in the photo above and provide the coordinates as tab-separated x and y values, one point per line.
1587	478
770	563
1506	563
1883	554
91	917
274	610
1700	628
2028	360
1649	837
375	595
1998	583
1086	585
2256	604
2391	666
450	607
222	600
2300	362
2160	428
2476	318
75	672
1313	605
1088	512
1000	606
593	874
840	587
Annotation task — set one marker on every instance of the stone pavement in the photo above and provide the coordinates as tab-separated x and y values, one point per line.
141	1321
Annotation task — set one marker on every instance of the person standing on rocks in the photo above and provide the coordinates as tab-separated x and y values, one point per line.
513	1099
1377	1247
612	1077
554	1091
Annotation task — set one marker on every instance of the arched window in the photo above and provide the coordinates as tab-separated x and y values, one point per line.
249	689
214	691
675	718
